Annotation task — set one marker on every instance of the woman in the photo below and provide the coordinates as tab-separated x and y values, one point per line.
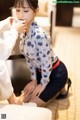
48	74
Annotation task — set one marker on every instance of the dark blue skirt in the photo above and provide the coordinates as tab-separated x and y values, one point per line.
58	79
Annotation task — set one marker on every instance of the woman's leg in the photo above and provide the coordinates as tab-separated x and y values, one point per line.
58	80
38	101
64	91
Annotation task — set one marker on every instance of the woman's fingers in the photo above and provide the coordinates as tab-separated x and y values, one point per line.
34	94
29	91
25	90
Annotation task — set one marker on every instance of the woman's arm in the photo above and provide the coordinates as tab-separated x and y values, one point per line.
46	63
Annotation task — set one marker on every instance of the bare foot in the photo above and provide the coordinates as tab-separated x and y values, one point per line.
15	100
12	99
24	98
19	101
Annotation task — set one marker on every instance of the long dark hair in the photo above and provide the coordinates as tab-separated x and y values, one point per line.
32	3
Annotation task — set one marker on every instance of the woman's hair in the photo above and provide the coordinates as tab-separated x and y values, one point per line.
32	3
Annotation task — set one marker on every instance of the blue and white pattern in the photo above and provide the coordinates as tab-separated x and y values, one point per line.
36	48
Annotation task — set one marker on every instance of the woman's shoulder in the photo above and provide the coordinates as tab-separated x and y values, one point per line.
38	32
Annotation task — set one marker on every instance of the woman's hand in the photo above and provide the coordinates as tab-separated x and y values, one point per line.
37	91
29	88
20	26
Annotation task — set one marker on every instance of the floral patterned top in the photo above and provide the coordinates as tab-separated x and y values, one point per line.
36	48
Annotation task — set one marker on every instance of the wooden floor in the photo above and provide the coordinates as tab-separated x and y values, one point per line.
66	44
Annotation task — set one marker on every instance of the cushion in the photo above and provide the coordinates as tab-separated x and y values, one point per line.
19	112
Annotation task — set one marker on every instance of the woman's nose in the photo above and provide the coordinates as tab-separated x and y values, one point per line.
21	17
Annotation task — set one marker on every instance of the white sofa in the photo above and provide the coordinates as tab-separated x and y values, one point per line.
19	112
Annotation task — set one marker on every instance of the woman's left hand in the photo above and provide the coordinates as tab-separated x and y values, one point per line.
37	91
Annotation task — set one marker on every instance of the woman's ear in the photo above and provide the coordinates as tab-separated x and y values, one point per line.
37	10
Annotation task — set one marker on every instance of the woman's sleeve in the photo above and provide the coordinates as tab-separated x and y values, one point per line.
32	69
46	63
7	42
6	88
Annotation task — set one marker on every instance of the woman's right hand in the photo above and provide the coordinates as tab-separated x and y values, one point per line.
20	26
29	88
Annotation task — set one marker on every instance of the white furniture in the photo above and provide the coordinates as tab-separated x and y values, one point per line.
44	18
19	112
76	17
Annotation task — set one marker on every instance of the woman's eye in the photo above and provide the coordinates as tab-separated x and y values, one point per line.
26	11
17	10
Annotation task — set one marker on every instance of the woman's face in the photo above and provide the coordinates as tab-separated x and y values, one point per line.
25	13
